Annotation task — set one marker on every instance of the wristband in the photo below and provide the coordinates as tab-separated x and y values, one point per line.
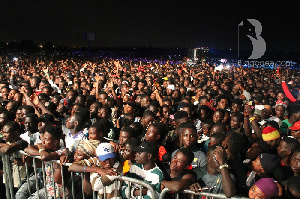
251	119
84	169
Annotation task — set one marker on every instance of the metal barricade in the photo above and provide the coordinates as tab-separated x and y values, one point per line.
201	195
10	194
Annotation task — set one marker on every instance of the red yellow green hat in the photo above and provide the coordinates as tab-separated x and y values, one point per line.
270	133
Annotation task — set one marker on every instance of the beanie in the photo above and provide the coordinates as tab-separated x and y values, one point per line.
268	187
270	133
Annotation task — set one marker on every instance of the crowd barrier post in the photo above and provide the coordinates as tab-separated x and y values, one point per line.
9	176
27	177
5	170
36	178
44	178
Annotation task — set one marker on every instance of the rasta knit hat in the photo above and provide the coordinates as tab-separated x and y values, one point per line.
270	133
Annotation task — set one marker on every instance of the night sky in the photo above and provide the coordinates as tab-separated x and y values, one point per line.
152	23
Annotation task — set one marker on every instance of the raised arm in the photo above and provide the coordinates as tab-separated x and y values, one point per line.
227	182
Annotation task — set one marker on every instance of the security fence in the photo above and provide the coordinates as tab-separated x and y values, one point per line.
18	178
194	195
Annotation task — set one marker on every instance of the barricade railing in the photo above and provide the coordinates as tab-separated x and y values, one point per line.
200	195
9	180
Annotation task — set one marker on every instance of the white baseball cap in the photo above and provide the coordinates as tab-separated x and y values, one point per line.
105	151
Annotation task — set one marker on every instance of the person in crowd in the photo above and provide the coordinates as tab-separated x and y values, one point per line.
179	177
218	179
264	188
144	169
293	187
188	139
100	171
49	150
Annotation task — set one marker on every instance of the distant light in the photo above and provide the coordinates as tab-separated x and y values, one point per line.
230	49
41	46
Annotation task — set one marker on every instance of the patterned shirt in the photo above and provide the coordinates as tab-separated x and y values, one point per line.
152	176
49	176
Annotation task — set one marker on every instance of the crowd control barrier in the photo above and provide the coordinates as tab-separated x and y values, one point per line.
12	180
194	195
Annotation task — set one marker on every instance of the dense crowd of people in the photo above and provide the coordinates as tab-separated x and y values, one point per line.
172	125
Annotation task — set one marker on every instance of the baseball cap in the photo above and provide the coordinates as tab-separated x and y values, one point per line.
148	147
105	151
296	126
269	162
46	118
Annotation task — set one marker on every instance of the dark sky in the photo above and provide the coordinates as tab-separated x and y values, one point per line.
158	23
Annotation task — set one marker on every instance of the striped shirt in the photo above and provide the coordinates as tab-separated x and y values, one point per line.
153	177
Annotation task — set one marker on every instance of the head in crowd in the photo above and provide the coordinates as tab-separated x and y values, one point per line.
295	130
265	164
156	132
180	117
128	119
11	131
26	110
138	127
106	155
86	149
76	122
295	162
51	138
218	127
204	112
188	135
234	144
148	118
264	188
94	109
217	139
100	130
125	134
104	112
5	117
237	106
146	153
286	148
206	126
222	102
271	136
237	120
128	153
292	189
218	115
181	160
31	123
